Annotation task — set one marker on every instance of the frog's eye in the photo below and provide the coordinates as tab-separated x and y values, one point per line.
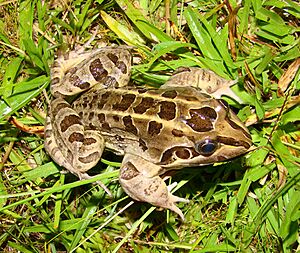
206	147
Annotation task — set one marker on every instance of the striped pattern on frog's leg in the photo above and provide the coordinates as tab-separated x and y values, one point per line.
141	181
68	143
100	68
205	80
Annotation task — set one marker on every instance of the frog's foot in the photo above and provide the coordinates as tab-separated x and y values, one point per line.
144	184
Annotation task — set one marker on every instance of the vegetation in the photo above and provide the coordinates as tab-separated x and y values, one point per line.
250	204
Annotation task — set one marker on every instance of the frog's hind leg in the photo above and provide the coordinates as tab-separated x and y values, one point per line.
140	180
69	144
76	72
204	80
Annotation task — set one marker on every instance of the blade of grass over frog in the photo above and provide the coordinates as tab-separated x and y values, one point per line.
139	20
60	188
10	75
133	229
107	162
17	101
129	36
167	47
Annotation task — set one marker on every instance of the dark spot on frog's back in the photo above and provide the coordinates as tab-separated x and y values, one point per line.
110	81
154	128
169	94
122	67
105	126
208	113
114	58
91	115
69	121
77	82
177	133
167	110
201	119
144	105
101	117
102	101
116	118
125	103
97	70
127	120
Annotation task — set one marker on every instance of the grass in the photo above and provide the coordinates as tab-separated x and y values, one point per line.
250	204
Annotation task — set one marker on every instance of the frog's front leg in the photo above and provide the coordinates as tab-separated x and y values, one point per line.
140	180
68	142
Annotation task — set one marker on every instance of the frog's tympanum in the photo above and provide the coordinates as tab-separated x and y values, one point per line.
156	130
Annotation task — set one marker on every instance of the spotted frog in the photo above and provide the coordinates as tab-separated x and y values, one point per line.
156	130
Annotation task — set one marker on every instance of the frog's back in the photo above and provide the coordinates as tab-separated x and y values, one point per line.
155	123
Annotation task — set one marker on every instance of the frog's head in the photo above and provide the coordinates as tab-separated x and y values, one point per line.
211	133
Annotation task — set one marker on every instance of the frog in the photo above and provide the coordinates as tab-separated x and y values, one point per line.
184	123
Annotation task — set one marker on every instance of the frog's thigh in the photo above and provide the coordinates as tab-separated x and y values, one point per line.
140	180
68	143
202	79
102	68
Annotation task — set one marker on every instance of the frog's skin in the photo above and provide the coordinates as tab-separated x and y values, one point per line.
156	130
